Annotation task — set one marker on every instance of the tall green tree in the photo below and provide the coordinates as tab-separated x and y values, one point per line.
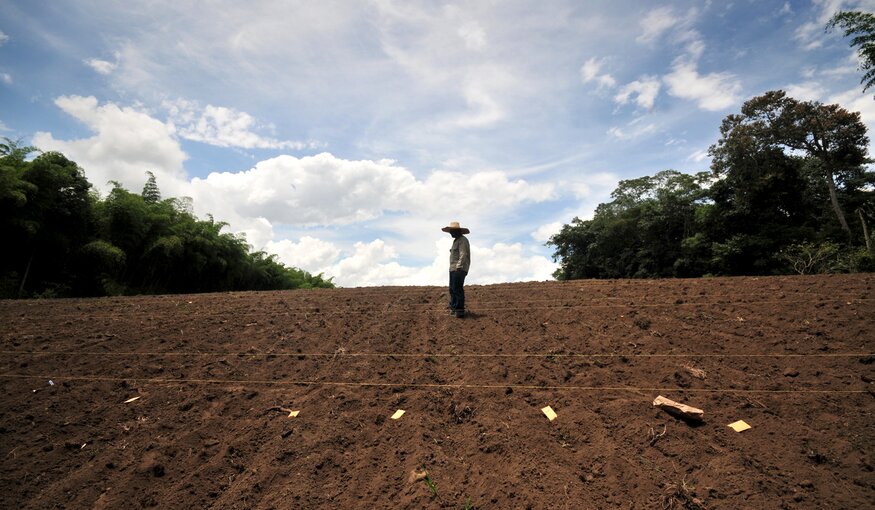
641	233
64	241
860	25
833	138
57	218
151	194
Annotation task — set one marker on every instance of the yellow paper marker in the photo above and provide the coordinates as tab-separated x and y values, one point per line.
739	426
292	414
549	412
131	400
399	413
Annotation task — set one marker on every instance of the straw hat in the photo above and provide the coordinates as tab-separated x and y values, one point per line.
454	225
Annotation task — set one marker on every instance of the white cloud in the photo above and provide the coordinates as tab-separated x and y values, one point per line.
371	264
451	57
484	109
127	143
546	231
811	35
309	253
508	263
645	91
325	190
590	71
656	23
633	130
474	35
6	78
376	263
712	92
314	190
3	38
101	66
855	100
698	156
807	91
223	127
695	46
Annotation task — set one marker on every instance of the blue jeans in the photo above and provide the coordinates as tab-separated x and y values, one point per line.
457	290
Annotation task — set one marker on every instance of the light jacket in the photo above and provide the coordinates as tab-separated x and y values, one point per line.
460	254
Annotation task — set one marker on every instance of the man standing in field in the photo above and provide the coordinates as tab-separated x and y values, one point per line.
460	261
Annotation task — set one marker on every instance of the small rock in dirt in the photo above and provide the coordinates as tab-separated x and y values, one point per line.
865	378
416	475
806	484
867	360
791	372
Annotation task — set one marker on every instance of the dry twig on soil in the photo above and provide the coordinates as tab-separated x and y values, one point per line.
654	437
678	496
698	373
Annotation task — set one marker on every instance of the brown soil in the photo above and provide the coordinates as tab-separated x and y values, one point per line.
216	374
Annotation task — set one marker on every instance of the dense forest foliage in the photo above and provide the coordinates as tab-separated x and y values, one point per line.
64	240
788	192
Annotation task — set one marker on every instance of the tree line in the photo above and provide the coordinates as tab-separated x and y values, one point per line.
63	240
788	192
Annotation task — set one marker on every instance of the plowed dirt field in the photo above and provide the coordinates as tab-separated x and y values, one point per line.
217	375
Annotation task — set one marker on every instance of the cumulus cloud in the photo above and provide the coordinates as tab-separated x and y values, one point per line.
326	190
510	262
377	263
591	71
546	231
712	92
223	127
314	190
6	78
127	143
644	90
309	253
3	38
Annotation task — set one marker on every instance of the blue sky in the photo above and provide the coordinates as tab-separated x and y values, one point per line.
342	135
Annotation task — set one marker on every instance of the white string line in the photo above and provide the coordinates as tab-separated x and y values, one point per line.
335	355
419	385
364	310
578	285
